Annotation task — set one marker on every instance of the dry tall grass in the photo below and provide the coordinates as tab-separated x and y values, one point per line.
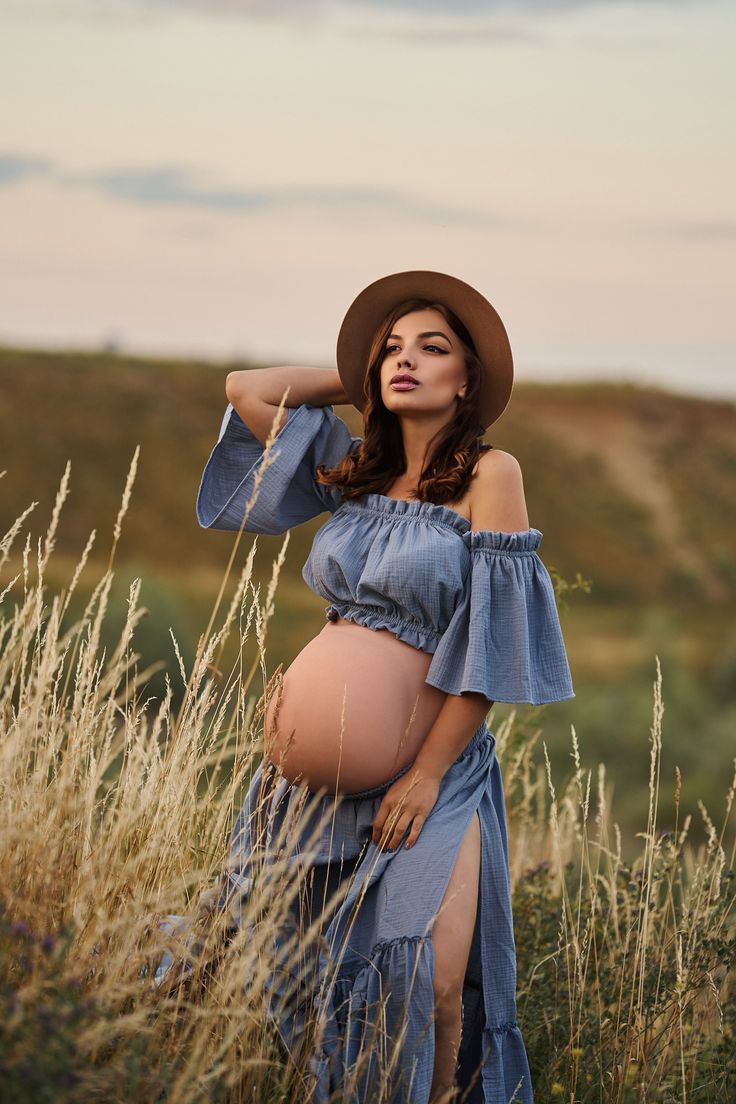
115	813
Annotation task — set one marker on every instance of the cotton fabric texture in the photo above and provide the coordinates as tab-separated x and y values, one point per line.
482	603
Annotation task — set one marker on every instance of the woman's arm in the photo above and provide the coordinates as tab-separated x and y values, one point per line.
316	386
255	393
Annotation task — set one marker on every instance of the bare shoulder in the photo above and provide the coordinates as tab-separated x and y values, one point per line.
497	498
498	462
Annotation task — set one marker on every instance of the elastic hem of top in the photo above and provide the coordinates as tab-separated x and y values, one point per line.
410	632
481	733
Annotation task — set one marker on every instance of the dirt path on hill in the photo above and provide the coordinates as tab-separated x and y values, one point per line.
625	445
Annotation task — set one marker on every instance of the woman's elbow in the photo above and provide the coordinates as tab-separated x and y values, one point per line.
236	383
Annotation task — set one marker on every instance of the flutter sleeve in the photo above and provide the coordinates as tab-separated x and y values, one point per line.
288	493
504	639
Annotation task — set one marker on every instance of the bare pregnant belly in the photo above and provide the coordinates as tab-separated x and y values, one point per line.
343	715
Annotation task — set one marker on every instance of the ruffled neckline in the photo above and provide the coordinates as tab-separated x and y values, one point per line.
522	540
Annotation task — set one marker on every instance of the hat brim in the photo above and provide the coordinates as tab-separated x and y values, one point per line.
483	323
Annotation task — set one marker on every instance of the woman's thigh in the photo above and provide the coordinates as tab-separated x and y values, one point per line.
452	933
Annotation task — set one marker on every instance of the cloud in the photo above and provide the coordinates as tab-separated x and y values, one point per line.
311	11
134	10
451	33
491	7
15	167
176	187
166	186
699	230
421	8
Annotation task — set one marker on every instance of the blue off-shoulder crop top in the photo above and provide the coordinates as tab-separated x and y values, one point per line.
480	601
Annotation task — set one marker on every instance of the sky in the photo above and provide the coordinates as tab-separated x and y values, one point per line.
221	178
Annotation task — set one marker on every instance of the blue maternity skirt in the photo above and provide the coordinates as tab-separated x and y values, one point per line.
376	954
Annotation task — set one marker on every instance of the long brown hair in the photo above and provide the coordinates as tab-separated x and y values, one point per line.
380	458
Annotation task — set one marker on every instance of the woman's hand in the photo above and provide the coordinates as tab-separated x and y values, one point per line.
407	803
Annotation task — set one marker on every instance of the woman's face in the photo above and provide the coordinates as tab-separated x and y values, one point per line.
422	345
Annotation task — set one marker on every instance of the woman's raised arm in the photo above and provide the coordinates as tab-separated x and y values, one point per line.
316	386
255	393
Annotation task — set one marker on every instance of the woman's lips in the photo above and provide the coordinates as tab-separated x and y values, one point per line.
404	385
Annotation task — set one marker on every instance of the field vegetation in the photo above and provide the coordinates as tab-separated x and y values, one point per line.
115	809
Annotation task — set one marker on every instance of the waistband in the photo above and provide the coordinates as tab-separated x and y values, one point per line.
481	733
409	629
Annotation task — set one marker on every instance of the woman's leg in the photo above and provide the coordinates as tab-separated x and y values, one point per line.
452	936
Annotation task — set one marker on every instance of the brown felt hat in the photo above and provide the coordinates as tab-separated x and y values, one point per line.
484	325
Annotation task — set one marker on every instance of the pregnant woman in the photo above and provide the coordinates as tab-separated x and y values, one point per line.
439	605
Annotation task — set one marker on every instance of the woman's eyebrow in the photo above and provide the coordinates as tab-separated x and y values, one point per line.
427	333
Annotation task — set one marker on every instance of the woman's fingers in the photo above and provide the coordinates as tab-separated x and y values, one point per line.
384	823
395	836
416	828
378	823
392	834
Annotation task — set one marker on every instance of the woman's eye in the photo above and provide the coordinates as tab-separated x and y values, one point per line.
437	347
